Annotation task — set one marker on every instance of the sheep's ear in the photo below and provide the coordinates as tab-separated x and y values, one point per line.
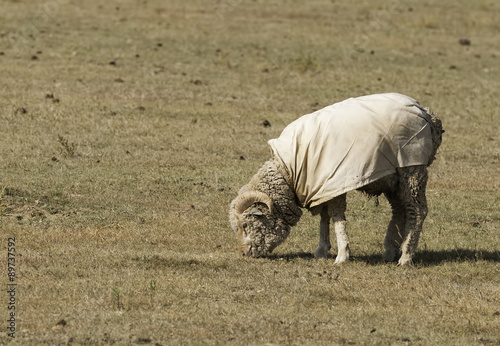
256	212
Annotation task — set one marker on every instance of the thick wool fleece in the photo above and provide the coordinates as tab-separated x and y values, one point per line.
352	143
270	180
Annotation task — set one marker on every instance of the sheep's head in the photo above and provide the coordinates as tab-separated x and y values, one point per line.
258	229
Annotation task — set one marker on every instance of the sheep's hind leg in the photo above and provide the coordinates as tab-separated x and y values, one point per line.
395	229
411	191
324	234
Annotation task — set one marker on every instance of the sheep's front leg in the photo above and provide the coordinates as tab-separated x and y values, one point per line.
336	210
342	240
324	235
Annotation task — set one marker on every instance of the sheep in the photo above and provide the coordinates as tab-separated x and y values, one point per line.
377	144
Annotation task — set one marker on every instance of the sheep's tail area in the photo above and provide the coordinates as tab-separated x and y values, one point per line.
436	133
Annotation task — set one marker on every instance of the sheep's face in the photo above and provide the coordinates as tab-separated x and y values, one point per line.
259	231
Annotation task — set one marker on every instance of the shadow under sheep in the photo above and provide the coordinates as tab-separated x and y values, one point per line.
422	258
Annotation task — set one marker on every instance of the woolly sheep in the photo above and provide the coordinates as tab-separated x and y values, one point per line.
378	144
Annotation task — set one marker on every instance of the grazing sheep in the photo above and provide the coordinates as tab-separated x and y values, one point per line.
378	144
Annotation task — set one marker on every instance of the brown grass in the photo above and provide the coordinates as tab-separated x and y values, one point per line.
128	127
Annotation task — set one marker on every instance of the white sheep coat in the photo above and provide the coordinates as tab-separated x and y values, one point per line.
352	143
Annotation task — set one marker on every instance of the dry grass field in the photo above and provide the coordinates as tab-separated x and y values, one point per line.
127	127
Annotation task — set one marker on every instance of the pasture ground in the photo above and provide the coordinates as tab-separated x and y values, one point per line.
127	127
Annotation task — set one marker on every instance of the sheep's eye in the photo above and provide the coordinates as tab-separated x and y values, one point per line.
244	225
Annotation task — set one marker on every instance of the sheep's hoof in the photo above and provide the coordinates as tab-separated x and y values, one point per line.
389	256
405	262
321	253
341	258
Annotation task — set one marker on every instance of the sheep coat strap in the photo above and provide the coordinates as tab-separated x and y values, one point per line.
352	143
